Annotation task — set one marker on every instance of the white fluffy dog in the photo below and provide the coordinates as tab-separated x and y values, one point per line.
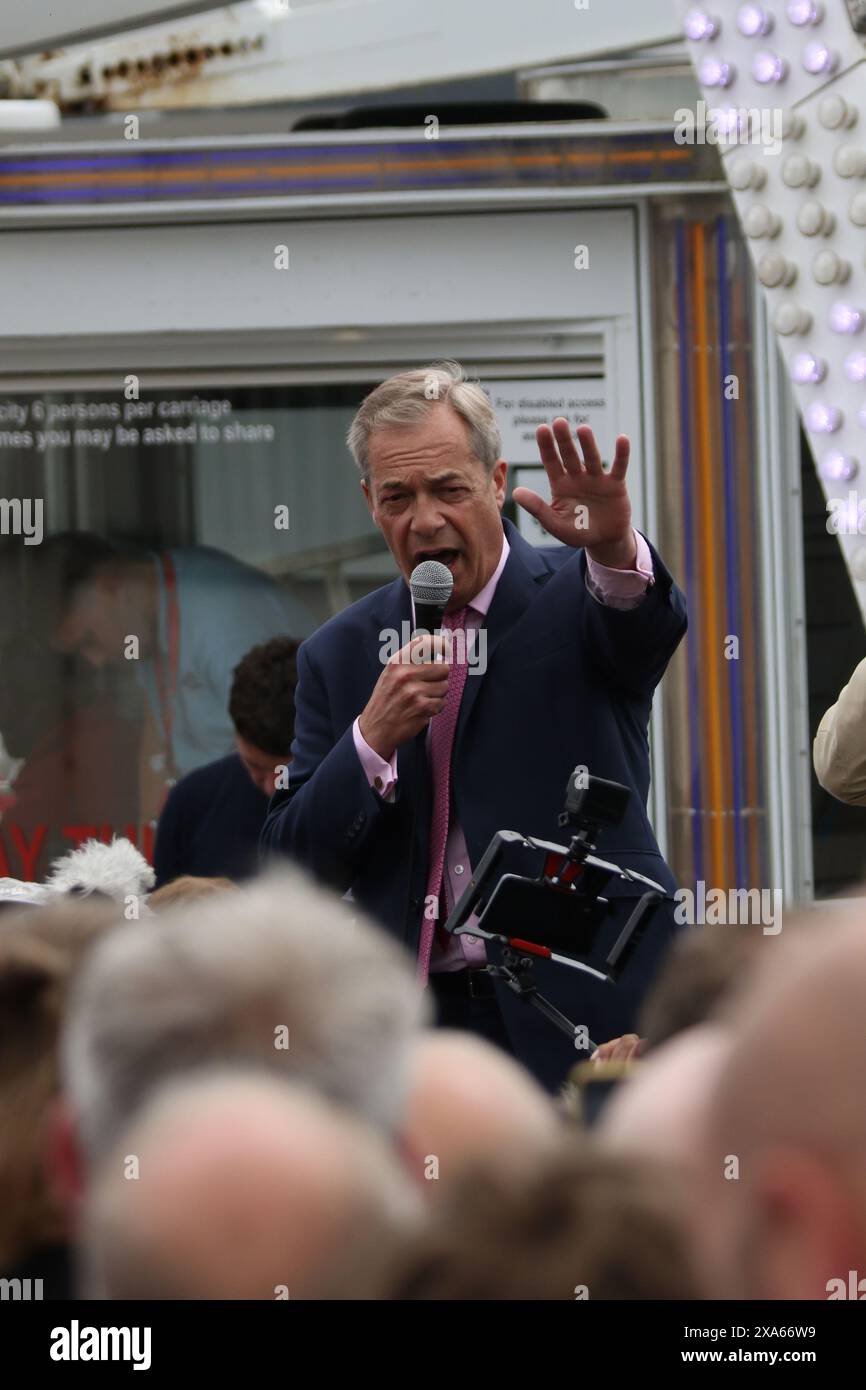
116	871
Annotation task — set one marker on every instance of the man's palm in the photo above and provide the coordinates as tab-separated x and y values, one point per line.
588	506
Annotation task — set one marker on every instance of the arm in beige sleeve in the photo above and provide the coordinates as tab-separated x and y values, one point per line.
839	750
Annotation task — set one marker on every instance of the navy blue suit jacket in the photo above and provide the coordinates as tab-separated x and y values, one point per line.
569	681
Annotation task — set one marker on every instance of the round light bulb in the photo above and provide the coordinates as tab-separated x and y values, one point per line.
822	418
759	221
807	369
790	318
753	20
800	172
854	366
849	161
774	270
834	113
698	25
818	59
813	219
846	318
729	121
801	12
768	67
746	173
837	468
792	124
830	269
715	72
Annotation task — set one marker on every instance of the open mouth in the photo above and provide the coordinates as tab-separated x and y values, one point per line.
445	557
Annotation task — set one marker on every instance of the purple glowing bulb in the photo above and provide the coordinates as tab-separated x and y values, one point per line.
806	368
855	366
753	20
767	67
699	25
802	12
845	318
715	72
818	58
837	468
822	418
729	120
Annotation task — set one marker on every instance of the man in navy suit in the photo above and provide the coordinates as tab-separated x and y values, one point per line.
398	786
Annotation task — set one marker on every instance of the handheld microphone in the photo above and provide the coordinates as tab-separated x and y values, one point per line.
430	585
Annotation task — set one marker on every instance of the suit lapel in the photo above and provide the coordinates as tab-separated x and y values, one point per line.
392	612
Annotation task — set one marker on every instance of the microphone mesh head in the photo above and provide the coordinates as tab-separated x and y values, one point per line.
431	582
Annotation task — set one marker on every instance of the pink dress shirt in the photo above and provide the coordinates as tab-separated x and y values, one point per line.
617	589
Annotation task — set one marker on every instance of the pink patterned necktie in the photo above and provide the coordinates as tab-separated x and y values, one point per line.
442	727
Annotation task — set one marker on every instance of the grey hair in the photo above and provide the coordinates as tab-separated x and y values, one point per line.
408	398
280	975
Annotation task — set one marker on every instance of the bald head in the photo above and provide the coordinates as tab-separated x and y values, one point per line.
660	1110
786	1155
244	1187
661	1114
471	1106
799	1065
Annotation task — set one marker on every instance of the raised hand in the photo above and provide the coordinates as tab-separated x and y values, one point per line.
588	506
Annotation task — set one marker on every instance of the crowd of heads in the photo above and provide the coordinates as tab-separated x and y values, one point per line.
239	1093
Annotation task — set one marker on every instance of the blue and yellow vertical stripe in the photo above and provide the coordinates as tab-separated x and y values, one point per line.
716	736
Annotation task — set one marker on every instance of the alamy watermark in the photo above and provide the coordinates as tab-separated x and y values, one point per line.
466	646
77	1343
718	907
22	516
851	1288
846	516
729	125
20	1290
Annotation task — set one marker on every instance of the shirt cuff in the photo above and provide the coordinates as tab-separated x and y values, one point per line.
381	776
621	588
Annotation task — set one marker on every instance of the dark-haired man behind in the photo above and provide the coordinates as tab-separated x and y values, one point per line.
213	817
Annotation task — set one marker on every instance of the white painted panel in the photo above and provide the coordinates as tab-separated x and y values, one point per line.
138	282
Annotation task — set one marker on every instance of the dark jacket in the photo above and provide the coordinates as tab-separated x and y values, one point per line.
569	681
210	824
